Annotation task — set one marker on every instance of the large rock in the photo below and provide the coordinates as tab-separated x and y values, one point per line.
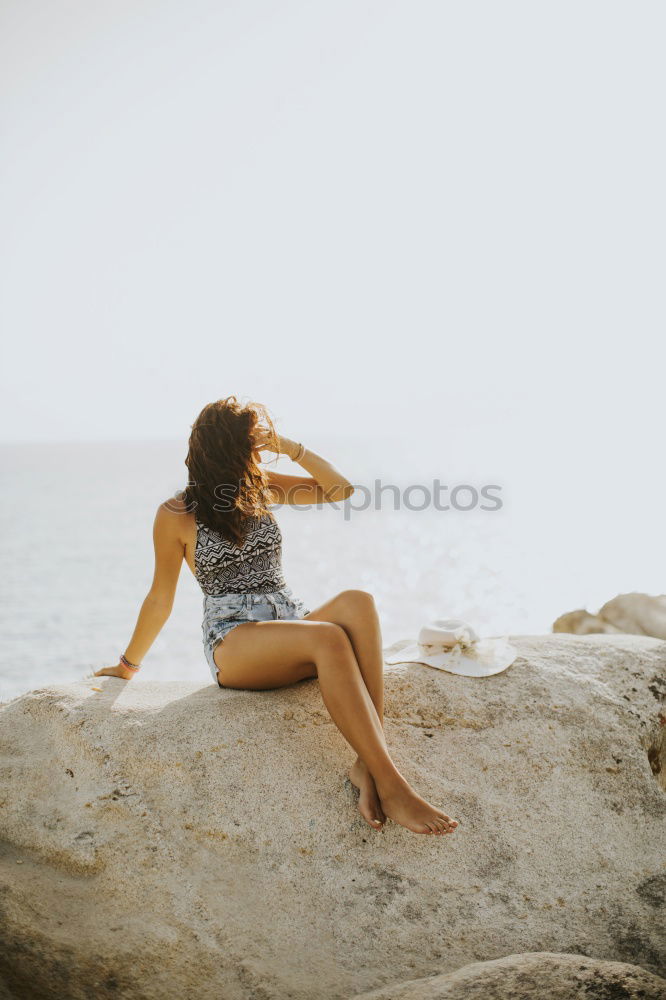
171	840
634	614
536	976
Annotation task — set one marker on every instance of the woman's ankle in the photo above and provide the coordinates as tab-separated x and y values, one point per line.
390	783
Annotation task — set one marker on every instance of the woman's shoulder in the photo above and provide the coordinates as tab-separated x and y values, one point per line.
175	504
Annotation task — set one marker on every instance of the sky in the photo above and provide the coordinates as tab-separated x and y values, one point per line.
432	230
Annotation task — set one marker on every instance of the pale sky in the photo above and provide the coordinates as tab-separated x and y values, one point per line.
428	223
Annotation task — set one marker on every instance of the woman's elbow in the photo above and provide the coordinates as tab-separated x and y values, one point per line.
342	492
161	604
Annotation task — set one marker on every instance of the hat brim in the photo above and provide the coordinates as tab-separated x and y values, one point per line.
485	658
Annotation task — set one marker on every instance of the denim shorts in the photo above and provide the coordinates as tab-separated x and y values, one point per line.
222	613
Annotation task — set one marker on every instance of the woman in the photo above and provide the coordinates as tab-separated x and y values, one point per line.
256	634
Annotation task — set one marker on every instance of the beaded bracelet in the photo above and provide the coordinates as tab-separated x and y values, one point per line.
132	666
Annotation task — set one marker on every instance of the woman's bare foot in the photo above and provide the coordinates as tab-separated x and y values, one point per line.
401	804
369	805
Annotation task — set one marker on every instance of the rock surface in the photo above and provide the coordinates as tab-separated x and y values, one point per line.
168	840
535	976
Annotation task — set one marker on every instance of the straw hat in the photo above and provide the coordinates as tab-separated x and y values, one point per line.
453	645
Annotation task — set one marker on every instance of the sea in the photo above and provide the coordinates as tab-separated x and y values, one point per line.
77	558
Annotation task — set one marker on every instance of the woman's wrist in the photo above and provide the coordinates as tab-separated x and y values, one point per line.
294	449
128	663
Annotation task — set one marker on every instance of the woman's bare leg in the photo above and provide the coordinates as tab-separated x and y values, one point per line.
356	613
261	655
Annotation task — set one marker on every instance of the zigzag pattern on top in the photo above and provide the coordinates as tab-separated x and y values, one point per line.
255	567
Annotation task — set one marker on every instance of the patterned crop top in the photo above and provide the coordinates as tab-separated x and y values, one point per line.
254	567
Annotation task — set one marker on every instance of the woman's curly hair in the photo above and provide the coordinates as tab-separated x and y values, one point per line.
226	485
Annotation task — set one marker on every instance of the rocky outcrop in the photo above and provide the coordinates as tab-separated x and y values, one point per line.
176	840
633	614
535	976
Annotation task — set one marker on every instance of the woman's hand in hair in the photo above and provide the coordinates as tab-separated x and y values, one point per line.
264	441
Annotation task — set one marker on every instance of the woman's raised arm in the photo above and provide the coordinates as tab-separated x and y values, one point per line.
324	484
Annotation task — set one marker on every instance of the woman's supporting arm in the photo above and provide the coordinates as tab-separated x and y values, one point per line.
157	605
158	602
152	618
